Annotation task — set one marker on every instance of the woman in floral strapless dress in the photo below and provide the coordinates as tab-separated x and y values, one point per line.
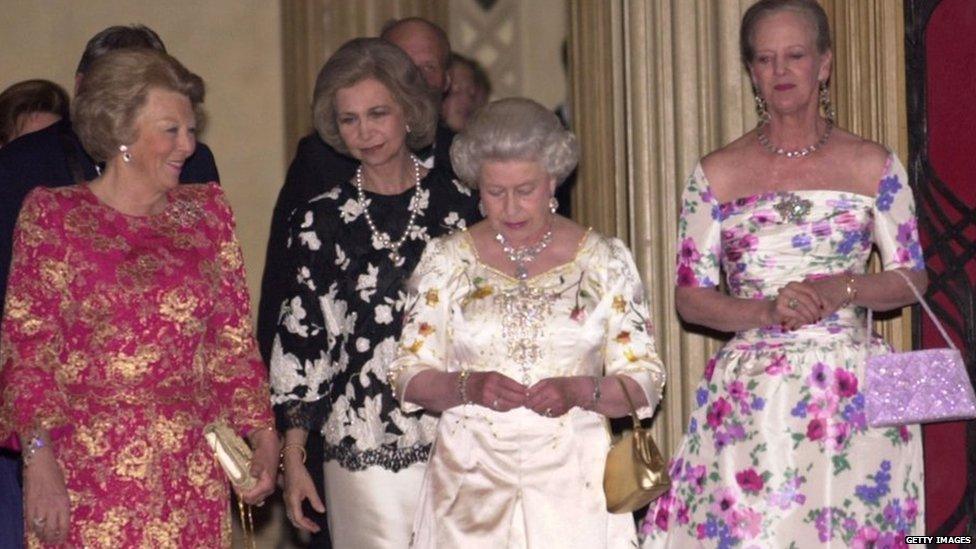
778	452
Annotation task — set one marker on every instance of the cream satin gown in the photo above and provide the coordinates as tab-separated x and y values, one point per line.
519	479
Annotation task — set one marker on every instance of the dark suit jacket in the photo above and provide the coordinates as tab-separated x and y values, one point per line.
54	157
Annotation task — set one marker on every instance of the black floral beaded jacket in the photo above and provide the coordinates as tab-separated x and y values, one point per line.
338	328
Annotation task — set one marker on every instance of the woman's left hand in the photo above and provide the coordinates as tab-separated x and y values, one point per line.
554	396
264	466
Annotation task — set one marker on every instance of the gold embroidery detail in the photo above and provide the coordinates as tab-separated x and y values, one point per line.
133	460
619	304
432	298
93	439
134	366
230	255
178	306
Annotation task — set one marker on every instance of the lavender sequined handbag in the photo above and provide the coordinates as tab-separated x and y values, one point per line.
918	386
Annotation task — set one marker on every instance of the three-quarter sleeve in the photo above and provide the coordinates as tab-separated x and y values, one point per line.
32	341
630	349
699	235
237	375
895	224
310	321
432	298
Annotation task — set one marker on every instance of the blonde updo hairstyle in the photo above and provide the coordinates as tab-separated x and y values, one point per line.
514	129
114	90
362	58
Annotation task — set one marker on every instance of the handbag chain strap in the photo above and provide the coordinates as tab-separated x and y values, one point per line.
921	301
633	409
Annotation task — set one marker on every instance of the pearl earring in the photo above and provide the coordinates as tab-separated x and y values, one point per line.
553	205
126	157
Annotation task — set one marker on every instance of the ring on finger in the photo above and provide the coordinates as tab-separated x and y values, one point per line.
494	404
793	303
548	412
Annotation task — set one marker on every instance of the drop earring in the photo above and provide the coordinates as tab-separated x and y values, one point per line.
553	205
761	110
828	108
126	157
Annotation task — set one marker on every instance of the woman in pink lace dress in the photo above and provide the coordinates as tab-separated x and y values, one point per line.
126	330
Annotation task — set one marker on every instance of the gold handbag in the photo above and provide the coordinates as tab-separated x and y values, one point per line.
636	473
234	457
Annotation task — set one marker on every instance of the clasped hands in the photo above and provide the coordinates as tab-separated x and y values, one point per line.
806	302
550	397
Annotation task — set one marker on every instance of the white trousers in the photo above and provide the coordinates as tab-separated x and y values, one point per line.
373	508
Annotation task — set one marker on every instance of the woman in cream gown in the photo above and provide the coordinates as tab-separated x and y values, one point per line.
513	331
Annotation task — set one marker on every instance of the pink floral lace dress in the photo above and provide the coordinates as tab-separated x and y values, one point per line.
124	336
778	452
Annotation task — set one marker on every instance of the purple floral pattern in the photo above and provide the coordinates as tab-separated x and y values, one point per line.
778	452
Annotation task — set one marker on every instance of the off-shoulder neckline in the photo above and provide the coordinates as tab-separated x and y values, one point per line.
700	174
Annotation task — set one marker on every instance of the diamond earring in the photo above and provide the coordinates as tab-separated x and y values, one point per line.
126	157
553	204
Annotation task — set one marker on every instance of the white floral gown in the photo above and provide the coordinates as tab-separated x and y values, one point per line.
519	479
778	452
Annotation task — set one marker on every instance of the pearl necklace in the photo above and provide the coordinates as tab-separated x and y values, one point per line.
414	208
523	254
805	151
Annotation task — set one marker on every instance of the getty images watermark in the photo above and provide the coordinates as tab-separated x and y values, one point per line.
918	540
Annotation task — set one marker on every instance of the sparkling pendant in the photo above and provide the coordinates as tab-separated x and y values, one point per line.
793	208
521	272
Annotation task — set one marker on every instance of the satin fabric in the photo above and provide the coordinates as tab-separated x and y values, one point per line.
372	508
518	480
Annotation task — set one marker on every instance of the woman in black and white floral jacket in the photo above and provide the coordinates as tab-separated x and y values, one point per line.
351	250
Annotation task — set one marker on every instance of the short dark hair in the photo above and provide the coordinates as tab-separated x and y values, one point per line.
118	37
27	97
810	9
480	76
362	58
114	91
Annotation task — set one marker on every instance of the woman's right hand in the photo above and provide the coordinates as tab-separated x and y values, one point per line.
298	486
46	503
496	391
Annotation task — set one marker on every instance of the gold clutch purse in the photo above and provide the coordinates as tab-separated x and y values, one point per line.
232	453
234	457
636	473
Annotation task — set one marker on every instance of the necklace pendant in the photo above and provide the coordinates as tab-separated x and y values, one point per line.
521	272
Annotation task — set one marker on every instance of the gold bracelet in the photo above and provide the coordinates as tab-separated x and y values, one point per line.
850	291
462	386
281	456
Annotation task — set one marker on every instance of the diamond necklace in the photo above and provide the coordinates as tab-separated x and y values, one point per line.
805	151
523	254
414	208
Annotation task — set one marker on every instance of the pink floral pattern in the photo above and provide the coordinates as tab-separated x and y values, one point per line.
125	336
778	452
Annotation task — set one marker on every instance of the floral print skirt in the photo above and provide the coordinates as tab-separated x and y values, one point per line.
778	452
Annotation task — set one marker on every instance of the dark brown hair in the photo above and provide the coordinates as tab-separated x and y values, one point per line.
27	97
